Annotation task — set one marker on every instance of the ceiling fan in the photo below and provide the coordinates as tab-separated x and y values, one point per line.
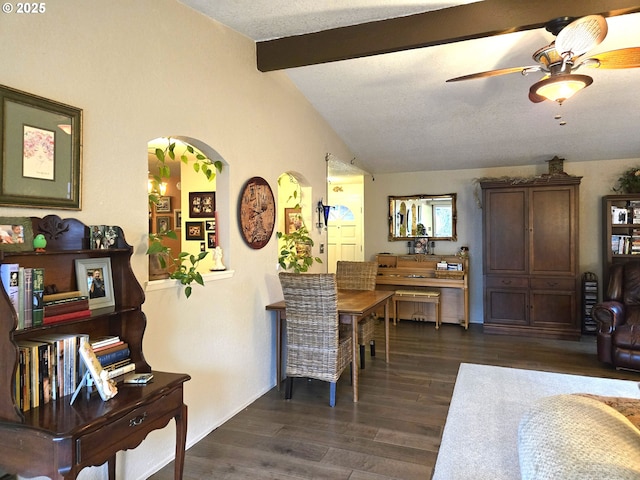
560	59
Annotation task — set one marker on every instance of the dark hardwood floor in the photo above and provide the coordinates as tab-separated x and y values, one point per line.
394	431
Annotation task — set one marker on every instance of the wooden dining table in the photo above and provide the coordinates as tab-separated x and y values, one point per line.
353	306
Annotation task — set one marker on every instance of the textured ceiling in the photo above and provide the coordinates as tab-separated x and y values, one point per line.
397	114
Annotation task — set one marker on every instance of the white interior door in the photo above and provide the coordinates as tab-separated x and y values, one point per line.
344	232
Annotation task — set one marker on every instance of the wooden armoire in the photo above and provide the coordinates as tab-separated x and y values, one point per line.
530	256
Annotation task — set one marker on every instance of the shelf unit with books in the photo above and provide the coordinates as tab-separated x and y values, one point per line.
54	438
621	231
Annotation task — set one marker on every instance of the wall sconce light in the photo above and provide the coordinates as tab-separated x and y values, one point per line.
161	187
323	214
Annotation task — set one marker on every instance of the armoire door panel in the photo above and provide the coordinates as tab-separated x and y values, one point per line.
506	221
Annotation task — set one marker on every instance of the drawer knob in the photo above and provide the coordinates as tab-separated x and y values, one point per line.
553	284
506	282
134	422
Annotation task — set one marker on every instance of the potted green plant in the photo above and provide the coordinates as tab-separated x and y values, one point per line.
295	251
177	267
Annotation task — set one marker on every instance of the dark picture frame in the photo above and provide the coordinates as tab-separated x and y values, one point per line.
40	145
177	219
163	205
202	204
163	224
194	230
16	234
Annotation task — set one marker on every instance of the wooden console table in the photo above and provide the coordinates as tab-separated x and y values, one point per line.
402	272
58	440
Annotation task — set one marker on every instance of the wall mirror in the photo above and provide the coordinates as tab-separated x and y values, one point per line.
422	216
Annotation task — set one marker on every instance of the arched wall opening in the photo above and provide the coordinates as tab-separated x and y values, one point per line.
185	205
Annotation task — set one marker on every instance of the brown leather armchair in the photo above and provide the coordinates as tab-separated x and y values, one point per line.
618	318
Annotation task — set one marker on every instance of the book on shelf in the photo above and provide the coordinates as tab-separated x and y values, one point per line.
103	341
113	355
66	306
63	317
28	294
38	296
51	297
9	274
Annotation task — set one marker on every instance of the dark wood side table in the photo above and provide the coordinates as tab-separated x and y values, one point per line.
60	440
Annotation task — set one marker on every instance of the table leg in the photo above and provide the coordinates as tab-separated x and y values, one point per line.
354	355
466	309
111	468
386	328
181	441
278	349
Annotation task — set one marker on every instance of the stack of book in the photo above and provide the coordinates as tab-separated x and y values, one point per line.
113	354
60	307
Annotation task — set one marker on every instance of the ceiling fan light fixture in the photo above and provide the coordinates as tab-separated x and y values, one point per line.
560	87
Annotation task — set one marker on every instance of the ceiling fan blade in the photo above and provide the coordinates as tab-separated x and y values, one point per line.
622	58
581	35
495	73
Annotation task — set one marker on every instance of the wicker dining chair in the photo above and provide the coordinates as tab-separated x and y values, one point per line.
360	276
316	346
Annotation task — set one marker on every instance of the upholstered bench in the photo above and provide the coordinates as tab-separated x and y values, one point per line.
418	296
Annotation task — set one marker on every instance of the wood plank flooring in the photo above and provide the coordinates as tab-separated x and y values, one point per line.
394	431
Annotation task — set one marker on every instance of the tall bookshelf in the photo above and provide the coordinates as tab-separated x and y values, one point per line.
57	439
621	232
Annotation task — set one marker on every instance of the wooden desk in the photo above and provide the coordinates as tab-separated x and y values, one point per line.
398	272
58	442
353	305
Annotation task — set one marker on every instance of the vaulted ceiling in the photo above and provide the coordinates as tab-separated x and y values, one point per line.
376	71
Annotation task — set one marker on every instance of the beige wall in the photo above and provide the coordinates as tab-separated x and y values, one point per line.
598	178
141	69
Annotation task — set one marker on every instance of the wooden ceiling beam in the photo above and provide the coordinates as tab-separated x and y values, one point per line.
464	22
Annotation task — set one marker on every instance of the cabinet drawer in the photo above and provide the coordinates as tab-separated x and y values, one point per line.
553	283
506	282
138	421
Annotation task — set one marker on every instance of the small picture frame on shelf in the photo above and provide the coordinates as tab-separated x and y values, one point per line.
94	279
421	246
619	215
16	234
103	236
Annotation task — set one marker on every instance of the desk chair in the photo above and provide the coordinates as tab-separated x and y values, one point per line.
360	276
316	346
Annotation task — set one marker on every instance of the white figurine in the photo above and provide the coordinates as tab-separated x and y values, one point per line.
217	259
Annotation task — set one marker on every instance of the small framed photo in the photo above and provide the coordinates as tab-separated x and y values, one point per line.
292	219
177	219
211	240
195	230
163	224
16	234
202	204
163	205
421	245
210	225
94	279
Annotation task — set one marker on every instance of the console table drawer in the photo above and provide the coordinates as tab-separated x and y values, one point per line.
135	425
507	282
553	283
